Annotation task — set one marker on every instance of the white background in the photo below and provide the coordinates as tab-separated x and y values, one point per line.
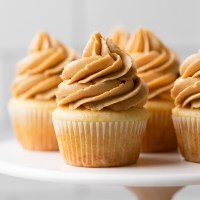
176	22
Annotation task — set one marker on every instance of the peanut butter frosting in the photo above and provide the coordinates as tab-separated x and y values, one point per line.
38	74
186	90
120	37
156	64
104	78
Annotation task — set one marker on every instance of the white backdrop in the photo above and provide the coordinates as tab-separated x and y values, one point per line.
175	21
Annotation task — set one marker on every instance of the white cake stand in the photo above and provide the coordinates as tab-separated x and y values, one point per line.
154	177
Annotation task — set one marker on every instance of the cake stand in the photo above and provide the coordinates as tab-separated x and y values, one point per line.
154	177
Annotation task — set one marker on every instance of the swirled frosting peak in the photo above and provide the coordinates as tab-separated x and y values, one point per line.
186	90
157	65
120	37
38	74
105	77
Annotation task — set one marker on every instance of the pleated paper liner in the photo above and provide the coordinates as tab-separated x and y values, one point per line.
99	144
160	134
32	123
188	136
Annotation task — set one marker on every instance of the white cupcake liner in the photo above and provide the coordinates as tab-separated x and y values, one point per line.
188	136
33	127
99	144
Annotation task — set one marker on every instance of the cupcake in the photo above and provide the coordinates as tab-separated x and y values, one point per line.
33	90
186	114
100	117
158	66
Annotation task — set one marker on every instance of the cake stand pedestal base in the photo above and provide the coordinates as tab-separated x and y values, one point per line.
154	193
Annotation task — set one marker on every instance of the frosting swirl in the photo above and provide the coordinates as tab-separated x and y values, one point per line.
105	77
120	37
38	74
157	65
186	90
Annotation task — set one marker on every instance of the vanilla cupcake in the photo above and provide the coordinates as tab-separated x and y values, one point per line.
100	117
158	66
186	114
33	90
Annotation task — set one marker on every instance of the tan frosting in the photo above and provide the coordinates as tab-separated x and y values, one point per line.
105	77
186	90
38	74
120	37
157	64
